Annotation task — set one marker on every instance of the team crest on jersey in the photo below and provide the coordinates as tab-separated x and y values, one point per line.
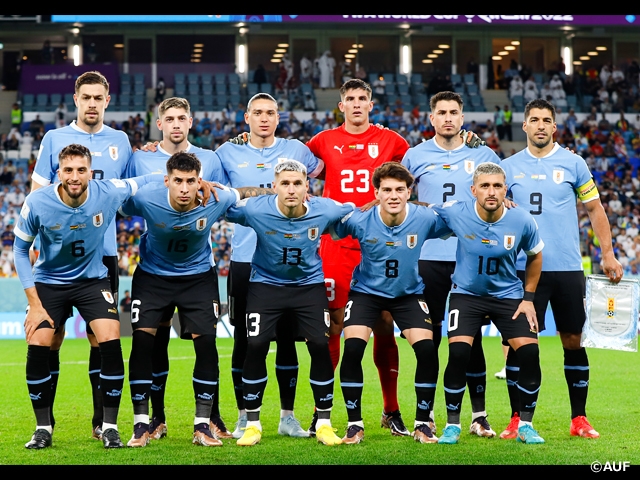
216	309
312	233
373	150
201	224
108	296
423	306
509	241
113	152
98	219
469	166
558	176
412	240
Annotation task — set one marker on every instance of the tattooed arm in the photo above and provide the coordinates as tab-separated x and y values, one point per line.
246	192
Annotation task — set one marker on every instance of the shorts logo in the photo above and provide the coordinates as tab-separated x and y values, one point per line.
201	224
216	309
113	152
509	241
558	176
423	306
327	318
412	240
108	296
373	150
469	166
98	219
312	233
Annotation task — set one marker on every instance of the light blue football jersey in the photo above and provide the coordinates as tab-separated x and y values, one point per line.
389	263
176	243
286	251
248	166
110	152
548	188
142	163
487	252
71	239
443	175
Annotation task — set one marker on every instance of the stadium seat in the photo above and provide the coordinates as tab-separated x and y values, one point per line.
206	79
234	89
456	79
252	88
208	102
180	90
472	89
403	88
138	78
469	79
207	88
220	78
28	102
55	99
42	102
401	79
179	78
233	78
389	78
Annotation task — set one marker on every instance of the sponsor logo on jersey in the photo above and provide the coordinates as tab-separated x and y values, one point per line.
509	241
431	166
519	175
423	306
160	225
98	219
539	177
558	176
372	241
182	227
338	148
412	240
469	166
486	241
78	226
270	232
373	150
243	165
291	235
113	152
397	243
201	224
357	146
108	296
57	226
312	232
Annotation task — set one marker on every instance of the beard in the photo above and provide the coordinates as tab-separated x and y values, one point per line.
77	194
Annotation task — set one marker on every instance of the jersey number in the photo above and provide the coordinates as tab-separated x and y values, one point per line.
291	255
330	284
491	268
135	311
391	268
535	199
450	193
77	250
453	320
179	246
349	178
98	175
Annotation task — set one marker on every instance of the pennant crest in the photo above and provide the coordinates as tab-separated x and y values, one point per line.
509	241
469	166
412	240
558	176
201	224
373	150
113	152
98	219
108	296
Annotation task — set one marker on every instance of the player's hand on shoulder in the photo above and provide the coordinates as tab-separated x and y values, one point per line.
381	127
208	189
148	147
370	205
471	140
571	150
241	139
508	203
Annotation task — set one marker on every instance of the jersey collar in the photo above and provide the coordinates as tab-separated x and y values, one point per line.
555	148
75	126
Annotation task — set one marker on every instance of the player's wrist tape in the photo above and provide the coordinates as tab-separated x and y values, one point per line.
528	296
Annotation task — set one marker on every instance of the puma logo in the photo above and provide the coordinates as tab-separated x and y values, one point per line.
339	148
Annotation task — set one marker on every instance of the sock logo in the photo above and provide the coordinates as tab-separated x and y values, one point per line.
424	405
206	396
157	388
581	384
114	393
293	382
328	398
35	397
533	405
451	406
252	396
479	389
138	397
351	404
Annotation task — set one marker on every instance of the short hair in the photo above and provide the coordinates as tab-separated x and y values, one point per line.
74	150
393	170
91	78
290	166
542	104
261	96
183	162
174	102
354	84
446	96
488	168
